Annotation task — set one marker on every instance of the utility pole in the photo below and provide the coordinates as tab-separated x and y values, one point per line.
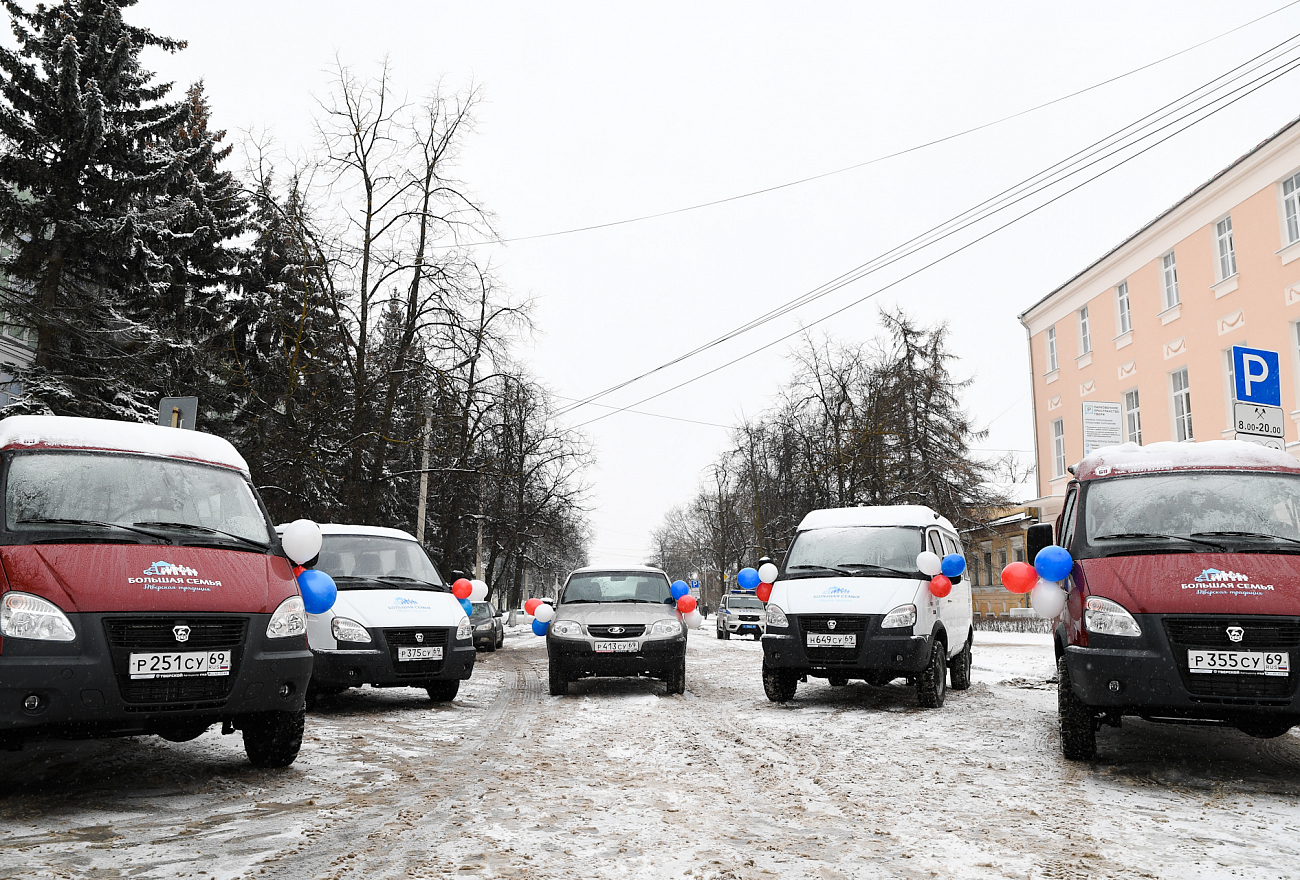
478	556
424	476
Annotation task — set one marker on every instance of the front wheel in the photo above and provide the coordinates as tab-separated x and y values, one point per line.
675	678
272	739
1078	725
559	683
443	691
779	684
959	670
932	683
719	633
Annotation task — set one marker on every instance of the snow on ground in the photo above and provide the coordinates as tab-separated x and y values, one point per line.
619	780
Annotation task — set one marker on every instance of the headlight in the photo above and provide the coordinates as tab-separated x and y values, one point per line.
776	618
1107	618
290	619
24	616
568	629
484	627
666	628
464	631
903	615
348	630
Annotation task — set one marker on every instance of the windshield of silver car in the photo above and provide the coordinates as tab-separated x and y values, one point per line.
617	586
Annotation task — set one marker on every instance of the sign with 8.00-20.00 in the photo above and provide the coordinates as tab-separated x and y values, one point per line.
1257	397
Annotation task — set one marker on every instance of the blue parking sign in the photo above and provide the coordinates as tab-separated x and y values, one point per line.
1258	378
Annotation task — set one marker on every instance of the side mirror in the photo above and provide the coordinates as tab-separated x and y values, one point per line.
1036	538
499	613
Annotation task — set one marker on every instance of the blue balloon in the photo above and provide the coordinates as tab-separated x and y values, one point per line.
468	606
747	579
539	628
318	591
953	565
1053	563
679	589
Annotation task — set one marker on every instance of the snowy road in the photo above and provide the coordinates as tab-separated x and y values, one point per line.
618	780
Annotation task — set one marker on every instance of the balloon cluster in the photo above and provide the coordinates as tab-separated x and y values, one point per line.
543	613
302	541
468	592
941	570
1042	580
759	580
688	611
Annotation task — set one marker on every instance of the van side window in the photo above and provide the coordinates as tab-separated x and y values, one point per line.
1068	518
936	546
950	545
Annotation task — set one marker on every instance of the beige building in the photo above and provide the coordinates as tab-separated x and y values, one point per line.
1149	327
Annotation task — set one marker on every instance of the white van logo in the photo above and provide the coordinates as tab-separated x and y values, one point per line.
181	632
1236	633
830	624
1213	574
160	569
419	637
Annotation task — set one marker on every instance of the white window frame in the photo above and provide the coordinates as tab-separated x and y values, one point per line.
1123	310
1058	448
1085	338
1180	404
1291	208
1132	417
1169	279
1223	248
1051	350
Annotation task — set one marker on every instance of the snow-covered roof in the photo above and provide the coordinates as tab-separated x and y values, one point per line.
69	432
617	566
367	531
884	515
1168	456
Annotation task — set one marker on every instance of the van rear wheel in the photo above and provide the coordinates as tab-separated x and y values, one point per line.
1078	725
959	668
272	739
932	683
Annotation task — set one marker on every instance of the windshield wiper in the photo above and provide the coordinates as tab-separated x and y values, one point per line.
581	602
92	522
639	601
873	566
833	568
1191	540
1248	535
406	581
194	527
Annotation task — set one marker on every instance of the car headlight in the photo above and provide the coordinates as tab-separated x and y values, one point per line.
568	629
290	619
776	618
903	615
484	627
1107	618
464	631
347	630
24	616
671	627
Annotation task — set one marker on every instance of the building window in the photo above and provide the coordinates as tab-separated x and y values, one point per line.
1020	554
1085	339
1290	196
1058	448
1121	300
1051	349
1132	418
988	568
1227	255
1182	406
1169	278
1002	562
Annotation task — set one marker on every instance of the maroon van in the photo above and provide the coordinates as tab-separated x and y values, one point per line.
1184	599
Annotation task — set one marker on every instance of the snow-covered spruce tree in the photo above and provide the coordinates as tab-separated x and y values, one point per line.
86	159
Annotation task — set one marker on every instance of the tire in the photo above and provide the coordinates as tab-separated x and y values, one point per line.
272	739
726	634
501	639
932	683
443	691
837	681
779	684
492	645
559	682
959	668
1078	724
719	632
675	678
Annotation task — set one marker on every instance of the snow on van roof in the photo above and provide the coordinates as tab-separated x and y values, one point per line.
367	531
882	515
69	432
617	566
1168	455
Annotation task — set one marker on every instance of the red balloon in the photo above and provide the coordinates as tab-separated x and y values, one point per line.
1019	577
462	588
530	607
940	585
686	604
764	592
297	570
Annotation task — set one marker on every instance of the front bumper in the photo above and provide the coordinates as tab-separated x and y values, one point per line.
876	650
377	663
735	625
83	687
579	658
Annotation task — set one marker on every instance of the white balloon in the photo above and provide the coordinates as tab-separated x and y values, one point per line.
929	564
545	613
693	619
767	573
1047	599
478	591
301	540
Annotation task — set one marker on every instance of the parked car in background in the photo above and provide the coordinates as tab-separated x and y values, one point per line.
395	622
489	632
741	614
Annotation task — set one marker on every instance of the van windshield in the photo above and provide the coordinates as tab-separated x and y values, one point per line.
859	551
127	497
1194	510
377	562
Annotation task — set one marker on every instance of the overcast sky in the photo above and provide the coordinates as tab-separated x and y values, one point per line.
600	112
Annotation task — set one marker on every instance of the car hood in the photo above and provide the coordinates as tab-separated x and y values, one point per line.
842	595
614	612
1195	583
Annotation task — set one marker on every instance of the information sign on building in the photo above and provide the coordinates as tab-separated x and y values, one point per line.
1103	425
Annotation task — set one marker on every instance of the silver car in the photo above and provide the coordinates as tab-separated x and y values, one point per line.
616	621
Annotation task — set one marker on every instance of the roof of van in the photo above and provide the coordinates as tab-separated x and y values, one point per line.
883	515
1130	458
617	567
70	432
367	531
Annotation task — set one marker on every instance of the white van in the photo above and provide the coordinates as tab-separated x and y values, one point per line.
849	603
395	622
